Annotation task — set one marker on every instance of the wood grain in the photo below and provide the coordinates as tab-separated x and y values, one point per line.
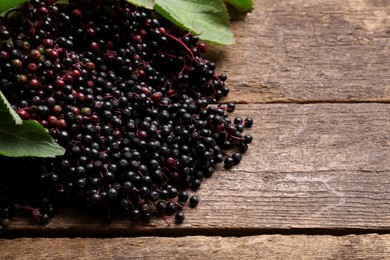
199	247
310	51
311	168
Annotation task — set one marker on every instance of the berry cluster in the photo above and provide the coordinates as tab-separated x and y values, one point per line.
130	97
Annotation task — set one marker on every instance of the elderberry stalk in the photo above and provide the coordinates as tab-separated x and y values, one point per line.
132	99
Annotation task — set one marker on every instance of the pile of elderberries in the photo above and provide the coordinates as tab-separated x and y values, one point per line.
131	99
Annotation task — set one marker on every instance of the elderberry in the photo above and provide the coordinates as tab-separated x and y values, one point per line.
179	217
194	200
131	98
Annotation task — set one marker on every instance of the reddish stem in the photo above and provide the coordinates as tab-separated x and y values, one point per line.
164	32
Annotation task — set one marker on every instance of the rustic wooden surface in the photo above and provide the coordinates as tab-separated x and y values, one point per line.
311	51
201	247
315	76
311	166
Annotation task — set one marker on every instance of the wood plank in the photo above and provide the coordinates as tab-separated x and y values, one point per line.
310	51
371	246
312	168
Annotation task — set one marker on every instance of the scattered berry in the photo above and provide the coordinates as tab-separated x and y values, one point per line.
179	217
194	200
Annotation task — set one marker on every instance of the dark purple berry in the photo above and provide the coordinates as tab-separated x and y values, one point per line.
229	162
194	200
179	217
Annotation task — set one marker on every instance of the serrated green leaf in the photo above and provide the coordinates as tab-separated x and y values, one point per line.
7	114
149	4
241	5
206	18
6	5
28	139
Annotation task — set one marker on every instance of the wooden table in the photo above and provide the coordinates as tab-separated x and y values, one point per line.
315	76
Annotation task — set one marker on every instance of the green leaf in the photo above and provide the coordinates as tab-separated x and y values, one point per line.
149	4
7	114
208	19
6	5
28	139
241	5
